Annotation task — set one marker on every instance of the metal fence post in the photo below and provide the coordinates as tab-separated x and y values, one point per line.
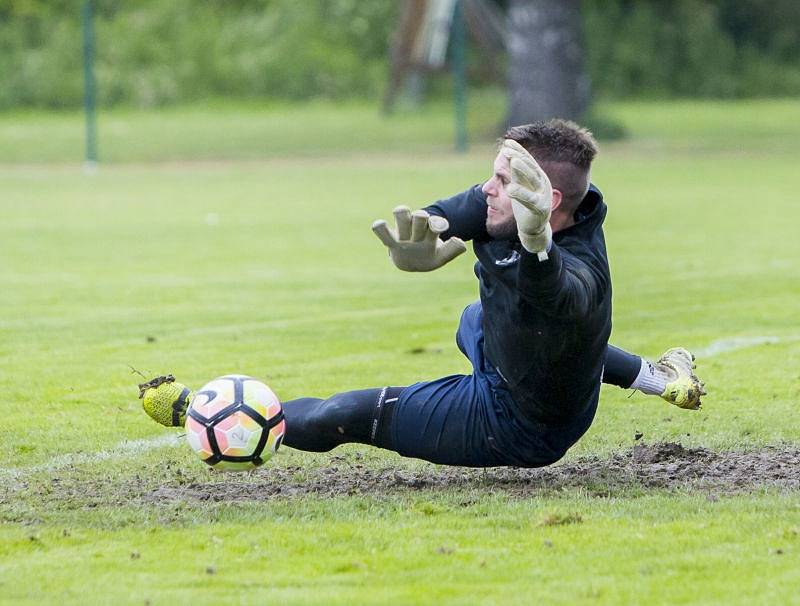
90	92
460	77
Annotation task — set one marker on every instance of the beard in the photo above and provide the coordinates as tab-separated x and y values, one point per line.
505	230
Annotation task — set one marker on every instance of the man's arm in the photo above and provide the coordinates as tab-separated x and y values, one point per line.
559	283
428	238
415	244
531	199
466	214
562	285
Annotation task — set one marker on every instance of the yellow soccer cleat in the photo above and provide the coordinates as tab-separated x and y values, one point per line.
683	387
165	400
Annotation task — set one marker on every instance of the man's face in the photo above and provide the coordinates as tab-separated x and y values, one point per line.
500	222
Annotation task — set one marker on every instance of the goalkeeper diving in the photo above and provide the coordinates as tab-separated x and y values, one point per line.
537	339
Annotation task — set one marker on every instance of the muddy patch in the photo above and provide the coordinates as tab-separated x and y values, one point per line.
667	466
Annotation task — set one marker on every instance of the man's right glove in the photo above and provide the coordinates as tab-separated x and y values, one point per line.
165	400
531	199
416	245
683	387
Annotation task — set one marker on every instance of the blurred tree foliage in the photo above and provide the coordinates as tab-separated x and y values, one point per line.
693	48
152	52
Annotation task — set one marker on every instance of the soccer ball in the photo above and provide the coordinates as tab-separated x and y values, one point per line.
235	423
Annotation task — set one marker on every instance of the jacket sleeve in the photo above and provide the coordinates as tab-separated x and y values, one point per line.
466	213
563	286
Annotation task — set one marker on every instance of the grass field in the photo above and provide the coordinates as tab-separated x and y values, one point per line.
224	239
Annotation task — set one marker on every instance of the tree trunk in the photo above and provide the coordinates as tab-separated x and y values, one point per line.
546	67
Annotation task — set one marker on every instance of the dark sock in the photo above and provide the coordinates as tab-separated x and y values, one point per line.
621	367
363	416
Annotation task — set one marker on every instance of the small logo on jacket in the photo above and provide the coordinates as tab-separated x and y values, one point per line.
512	258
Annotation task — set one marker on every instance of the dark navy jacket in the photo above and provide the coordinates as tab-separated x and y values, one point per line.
546	324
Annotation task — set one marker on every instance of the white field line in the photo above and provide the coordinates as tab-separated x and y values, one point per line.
721	346
124	449
129	448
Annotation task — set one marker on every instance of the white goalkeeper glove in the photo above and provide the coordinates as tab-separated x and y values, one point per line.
531	199
416	245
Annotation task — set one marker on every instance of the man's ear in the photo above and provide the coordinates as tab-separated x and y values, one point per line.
558	197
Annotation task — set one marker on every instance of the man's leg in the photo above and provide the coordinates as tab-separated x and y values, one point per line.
455	420
361	416
468	420
621	368
313	424
671	377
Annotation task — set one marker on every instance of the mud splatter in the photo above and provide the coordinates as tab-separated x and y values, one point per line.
667	466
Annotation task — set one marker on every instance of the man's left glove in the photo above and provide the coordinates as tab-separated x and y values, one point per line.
416	245
531	199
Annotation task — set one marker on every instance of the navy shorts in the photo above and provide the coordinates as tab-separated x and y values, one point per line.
472	420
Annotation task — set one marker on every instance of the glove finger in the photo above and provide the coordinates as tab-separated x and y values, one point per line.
525	162
514	151
419	225
402	218
515	147
436	226
385	234
450	250
529	199
532	176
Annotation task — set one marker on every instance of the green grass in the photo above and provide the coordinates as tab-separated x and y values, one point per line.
218	130
646	550
264	264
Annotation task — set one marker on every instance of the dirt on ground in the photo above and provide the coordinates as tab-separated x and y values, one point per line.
667	466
